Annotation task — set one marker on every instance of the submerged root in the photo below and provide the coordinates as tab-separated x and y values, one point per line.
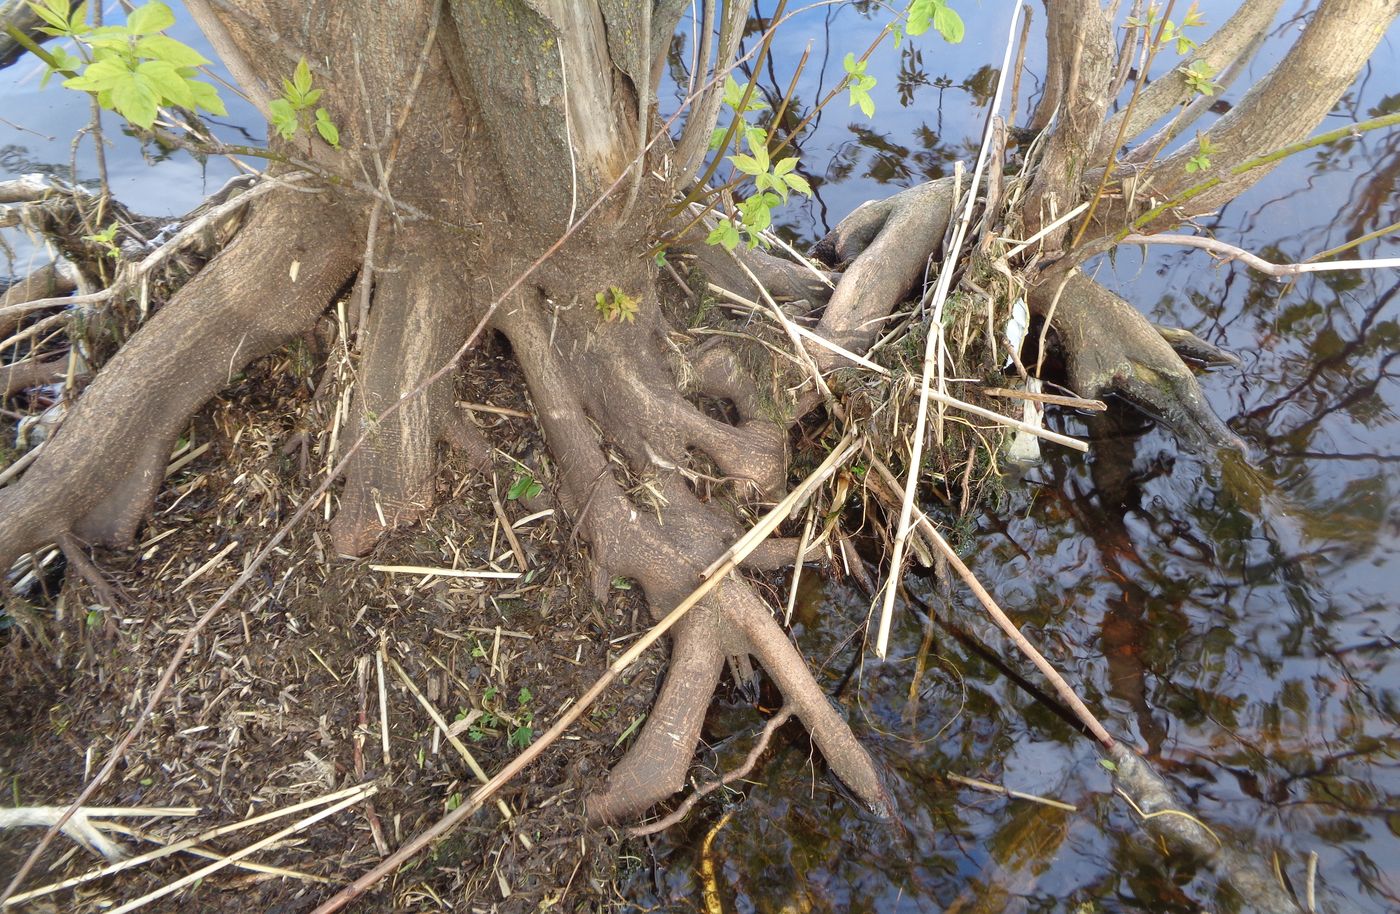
1112	349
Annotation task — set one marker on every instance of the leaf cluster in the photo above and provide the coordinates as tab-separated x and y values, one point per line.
774	181
616	305
298	98
134	68
859	83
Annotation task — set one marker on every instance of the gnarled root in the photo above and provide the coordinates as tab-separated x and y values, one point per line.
99	474
891	242
419	319
1112	349
633	401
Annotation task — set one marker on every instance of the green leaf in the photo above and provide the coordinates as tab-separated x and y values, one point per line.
920	15
101	75
169	85
153	17
726	234
747	164
301	77
717	137
63	62
948	23
176	53
783	166
207	98
799	184
328	130
525	696
284	117
55	14
136	99
520	488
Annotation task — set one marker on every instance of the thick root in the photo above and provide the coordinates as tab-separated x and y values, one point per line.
1113	349
891	242
99	474
416	324
635	404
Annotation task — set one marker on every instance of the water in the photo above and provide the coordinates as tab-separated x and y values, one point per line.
1238	625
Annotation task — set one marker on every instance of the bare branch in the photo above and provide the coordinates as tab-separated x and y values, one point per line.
1230	252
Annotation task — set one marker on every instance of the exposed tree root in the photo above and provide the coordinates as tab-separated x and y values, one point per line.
27	373
419	319
1112	349
98	476
666	548
891	242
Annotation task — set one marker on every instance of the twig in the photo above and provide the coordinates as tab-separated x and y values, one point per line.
1002	621
1018	424
442	725
1006	791
445	572
750	760
1095	406
1231	252
178	846
237	855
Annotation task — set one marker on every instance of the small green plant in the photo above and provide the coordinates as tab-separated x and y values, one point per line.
1201	160
524	732
133	69
945	19
298	99
1198	77
524	486
107	240
859	83
616	305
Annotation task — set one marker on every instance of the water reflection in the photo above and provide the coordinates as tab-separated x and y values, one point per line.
1236	621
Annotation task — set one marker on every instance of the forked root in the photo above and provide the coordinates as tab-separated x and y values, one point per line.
99	474
664	549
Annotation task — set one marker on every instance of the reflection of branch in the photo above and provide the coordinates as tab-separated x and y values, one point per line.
1230	252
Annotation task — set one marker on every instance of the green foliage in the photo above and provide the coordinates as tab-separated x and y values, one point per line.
298	98
923	13
1201	160
616	305
859	83
1166	33
107	240
774	181
1198	77
524	486
133	69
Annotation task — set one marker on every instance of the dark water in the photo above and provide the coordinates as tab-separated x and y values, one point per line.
1238	625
